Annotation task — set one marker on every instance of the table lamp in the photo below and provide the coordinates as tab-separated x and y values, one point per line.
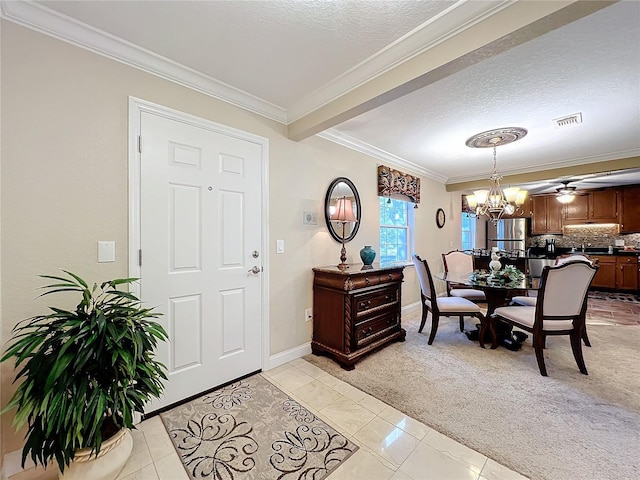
343	214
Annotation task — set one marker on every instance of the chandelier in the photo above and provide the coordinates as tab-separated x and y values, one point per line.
496	202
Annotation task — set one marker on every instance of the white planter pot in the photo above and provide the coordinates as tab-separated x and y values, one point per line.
114	453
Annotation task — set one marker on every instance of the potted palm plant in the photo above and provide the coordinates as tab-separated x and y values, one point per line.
84	373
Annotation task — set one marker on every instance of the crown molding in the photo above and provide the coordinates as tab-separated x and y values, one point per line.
390	159
54	24
458	17
455	19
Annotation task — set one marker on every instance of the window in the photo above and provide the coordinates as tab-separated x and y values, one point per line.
468	232
396	230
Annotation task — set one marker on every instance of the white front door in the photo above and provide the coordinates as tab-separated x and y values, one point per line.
201	240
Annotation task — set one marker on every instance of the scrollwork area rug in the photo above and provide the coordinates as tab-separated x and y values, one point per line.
252	430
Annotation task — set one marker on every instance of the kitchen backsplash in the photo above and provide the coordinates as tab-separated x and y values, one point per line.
595	236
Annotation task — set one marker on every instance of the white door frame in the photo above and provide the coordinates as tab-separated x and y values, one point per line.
136	108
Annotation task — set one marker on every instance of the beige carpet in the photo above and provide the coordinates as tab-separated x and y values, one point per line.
251	429
564	426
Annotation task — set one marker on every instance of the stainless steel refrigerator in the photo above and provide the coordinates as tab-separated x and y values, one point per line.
508	234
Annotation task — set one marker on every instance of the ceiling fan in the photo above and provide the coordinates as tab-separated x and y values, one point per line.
566	194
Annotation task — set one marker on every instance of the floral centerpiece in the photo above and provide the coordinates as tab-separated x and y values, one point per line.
508	274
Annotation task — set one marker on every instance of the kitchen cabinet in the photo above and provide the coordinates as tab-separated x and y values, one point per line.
630	209
603	206
355	311
596	206
547	215
606	274
617	272
577	211
627	272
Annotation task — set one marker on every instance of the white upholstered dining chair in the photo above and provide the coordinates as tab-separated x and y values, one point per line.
560	309
530	301
441	306
457	264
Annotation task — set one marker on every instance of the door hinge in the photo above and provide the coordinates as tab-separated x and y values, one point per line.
140	143
140	257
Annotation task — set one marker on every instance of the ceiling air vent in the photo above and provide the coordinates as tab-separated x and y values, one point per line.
574	119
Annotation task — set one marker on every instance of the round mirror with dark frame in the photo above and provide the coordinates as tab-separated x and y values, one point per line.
342	189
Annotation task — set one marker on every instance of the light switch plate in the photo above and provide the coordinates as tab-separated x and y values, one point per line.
106	251
279	246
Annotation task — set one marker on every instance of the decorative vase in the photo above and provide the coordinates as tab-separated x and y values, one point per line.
367	254
495	264
114	453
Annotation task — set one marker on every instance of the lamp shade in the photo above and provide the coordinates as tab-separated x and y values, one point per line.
510	194
481	196
472	201
343	211
521	197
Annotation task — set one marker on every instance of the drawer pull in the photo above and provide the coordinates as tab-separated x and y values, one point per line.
390	276
367	281
365	305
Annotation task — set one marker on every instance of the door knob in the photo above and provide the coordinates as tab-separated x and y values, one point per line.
255	269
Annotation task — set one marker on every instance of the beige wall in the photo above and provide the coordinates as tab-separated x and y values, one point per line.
64	185
1	329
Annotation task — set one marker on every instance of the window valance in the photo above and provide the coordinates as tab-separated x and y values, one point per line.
392	181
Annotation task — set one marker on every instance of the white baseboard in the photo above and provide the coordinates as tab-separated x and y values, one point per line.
411	307
305	349
288	355
12	464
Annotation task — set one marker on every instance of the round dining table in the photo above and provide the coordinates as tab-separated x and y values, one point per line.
498	292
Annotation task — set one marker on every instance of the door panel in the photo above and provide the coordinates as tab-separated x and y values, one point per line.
184	234
231	210
231	307
185	327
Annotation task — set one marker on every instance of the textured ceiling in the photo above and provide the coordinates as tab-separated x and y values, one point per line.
285	52
277	50
591	66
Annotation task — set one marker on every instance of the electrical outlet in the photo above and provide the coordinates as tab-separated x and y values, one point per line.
308	314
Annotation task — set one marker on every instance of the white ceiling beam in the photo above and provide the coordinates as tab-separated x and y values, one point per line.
512	25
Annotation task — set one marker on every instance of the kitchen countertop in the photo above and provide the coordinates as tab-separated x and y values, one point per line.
538	252
615	252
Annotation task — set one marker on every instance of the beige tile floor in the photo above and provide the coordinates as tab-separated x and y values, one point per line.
392	445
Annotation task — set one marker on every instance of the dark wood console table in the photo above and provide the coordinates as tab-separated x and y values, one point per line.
356	310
